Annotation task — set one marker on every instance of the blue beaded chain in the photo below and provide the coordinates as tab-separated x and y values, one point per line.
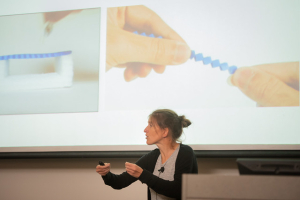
199	57
214	63
34	56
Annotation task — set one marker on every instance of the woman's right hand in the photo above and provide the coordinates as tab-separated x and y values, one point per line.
103	170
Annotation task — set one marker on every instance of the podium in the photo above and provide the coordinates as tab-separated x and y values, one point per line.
245	187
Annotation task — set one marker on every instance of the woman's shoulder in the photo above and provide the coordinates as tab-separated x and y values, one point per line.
152	154
186	148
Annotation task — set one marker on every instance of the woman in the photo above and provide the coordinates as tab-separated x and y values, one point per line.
162	168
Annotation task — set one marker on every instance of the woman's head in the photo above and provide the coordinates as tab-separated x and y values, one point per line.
166	118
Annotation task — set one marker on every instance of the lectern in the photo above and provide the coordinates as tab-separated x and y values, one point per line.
225	187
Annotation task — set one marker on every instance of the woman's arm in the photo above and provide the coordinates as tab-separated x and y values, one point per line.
123	180
118	181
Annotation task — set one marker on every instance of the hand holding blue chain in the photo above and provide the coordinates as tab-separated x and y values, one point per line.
137	54
269	85
199	57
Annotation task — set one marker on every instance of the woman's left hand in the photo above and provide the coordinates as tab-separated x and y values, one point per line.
133	169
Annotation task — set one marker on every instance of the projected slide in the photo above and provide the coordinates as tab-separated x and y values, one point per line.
213	54
230	66
49	62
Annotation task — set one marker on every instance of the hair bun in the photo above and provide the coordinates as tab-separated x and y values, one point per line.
184	121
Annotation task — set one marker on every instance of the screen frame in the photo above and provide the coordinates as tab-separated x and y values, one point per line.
137	154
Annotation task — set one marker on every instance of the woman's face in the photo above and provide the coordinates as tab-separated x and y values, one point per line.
153	132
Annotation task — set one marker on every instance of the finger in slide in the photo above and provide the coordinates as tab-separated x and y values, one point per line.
265	89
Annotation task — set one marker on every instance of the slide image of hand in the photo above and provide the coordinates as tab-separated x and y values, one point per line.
52	17
269	85
139	54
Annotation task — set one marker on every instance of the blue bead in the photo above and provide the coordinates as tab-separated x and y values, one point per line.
224	66
198	57
143	34
66	52
215	63
135	32
232	69
206	60
160	37
152	35
192	54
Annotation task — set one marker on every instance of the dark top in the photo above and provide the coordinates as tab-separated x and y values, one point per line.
186	163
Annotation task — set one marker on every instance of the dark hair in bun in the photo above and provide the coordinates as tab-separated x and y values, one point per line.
166	118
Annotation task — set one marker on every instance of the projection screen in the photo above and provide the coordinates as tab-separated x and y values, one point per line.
85	75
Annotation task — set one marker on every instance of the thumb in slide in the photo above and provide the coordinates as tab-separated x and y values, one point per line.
265	89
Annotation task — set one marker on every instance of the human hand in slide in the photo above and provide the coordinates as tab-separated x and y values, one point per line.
269	85
140	54
133	169
103	170
52	17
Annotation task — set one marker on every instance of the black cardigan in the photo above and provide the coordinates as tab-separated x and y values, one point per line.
186	163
